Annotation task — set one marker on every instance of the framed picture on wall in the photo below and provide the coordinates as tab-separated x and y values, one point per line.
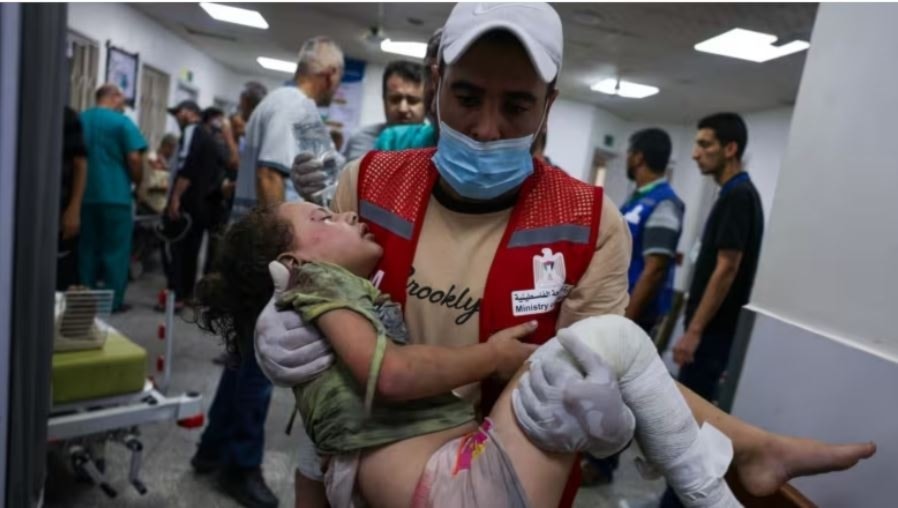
121	69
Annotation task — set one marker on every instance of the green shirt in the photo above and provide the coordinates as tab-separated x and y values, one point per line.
339	415
407	137
109	137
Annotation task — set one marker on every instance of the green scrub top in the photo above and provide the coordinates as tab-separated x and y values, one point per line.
407	137
109	137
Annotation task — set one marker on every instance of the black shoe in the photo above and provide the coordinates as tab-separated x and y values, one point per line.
205	462
247	487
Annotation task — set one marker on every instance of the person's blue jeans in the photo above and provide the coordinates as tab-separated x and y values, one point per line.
702	376
236	431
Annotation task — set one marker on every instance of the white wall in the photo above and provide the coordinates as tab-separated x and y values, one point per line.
133	31
829	255
823	362
768	135
569	136
372	95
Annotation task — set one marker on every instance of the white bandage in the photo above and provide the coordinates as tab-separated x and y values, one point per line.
693	462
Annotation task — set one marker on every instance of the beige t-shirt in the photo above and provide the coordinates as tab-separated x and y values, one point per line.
452	262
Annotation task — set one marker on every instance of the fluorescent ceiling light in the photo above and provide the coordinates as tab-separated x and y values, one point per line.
235	15
749	45
612	86
277	65
406	48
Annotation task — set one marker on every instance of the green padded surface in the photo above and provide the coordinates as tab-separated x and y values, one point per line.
118	368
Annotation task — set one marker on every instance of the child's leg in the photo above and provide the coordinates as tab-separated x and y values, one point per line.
693	462
543	474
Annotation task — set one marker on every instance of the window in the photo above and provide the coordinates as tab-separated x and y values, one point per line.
83	58
154	86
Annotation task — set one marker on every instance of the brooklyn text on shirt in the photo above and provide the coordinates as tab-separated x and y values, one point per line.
455	298
549	288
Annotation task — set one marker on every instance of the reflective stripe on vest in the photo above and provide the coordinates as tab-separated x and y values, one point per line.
551	234
386	219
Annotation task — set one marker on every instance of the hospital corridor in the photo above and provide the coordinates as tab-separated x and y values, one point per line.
448	255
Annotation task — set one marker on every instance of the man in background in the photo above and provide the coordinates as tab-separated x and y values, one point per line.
727	258
74	178
424	134
403	96
196	194
252	94
219	128
114	162
654	214
270	145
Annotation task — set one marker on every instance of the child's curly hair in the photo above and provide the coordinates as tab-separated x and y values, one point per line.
230	299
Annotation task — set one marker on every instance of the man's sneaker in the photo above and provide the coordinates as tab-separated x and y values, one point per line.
205	462
247	487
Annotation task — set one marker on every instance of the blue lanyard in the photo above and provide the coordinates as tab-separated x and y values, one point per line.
741	177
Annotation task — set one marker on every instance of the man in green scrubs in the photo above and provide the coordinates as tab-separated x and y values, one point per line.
114	151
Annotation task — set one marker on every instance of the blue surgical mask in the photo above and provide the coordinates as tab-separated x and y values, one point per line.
482	170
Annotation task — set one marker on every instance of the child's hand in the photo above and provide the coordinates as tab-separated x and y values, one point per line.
511	353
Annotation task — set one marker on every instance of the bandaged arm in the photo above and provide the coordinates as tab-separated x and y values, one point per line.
693	461
407	372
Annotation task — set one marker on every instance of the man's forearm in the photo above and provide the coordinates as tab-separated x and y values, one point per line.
181	186
135	166
79	181
644	291
269	186
715	293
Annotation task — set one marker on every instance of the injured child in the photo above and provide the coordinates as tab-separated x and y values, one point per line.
389	437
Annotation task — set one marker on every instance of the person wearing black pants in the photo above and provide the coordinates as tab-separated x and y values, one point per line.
726	263
74	179
196	193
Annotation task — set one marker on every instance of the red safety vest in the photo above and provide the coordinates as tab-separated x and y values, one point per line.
553	211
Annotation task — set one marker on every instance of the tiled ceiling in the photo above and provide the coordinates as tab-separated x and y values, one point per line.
645	43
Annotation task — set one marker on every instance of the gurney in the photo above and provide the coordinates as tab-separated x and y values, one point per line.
101	390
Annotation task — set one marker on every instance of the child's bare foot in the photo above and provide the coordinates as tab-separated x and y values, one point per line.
777	459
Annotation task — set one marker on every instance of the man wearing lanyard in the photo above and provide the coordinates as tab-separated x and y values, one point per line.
655	216
483	223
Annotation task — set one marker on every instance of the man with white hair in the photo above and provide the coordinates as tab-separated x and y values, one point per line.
270	142
234	441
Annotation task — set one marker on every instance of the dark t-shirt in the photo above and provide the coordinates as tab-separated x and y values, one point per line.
72	146
204	168
736	222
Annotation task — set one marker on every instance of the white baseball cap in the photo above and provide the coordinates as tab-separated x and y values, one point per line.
536	25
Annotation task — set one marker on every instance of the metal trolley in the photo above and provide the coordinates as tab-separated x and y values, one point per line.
83	428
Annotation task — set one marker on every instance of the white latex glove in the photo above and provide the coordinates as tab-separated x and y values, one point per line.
288	351
565	409
309	175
